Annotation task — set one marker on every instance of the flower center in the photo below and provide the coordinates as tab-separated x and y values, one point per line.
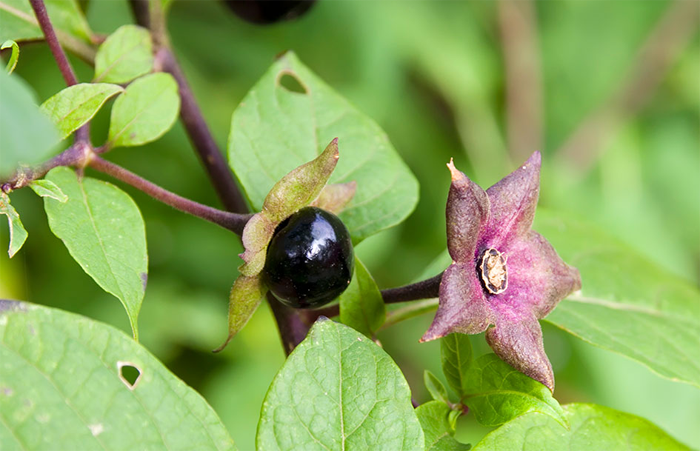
493	271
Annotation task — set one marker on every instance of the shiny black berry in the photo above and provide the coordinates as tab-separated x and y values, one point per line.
310	259
268	11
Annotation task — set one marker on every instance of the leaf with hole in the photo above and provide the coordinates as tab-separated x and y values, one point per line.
104	232
20	24
26	135
68	382
18	234
438	430
275	129
126	54
361	304
74	106
338	390
14	56
592	427
497	393
627	304
456	358
145	111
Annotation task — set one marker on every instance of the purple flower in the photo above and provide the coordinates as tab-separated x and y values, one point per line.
503	273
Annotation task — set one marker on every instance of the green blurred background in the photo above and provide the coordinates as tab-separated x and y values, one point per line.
435	75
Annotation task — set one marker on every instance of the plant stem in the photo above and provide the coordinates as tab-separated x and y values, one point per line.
72	156
231	221
51	39
424	289
202	139
292	327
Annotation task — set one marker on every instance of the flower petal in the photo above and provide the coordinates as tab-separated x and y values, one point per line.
467	214
518	342
537	277
513	202
463	307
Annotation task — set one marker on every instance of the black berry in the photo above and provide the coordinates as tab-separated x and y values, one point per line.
268	11
310	259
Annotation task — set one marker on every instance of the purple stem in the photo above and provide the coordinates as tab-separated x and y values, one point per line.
231	221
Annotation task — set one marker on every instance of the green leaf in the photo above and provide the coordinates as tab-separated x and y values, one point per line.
592	428
146	110
26	134
456	358
14	56
246	295
126	54
64	384
72	107
274	130
435	387
361	305
627	304
338	390
20	24
18	234
47	188
497	393
438	431
104	232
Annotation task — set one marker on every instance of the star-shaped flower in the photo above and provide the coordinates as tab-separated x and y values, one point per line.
503	273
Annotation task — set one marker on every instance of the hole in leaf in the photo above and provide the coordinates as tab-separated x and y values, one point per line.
291	83
129	373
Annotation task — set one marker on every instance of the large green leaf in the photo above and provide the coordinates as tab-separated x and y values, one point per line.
338	390
64	385
26	135
104	232
126	54
145	111
627	304
275	129
19	23
497	393
592	428
361	305
72	107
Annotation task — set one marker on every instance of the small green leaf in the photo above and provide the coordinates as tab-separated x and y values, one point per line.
19	23
246	295
338	390
302	185
361	304
627	304
126	54
14	56
104	232
275	130
592	428
456	357
146	110
64	385
256	236
435	387
497	393
47	188
74	106
437	428
26	134
18	235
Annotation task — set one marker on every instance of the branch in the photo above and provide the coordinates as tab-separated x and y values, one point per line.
231	221
51	39
667	39
75	155
517	23
292	327
202	139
